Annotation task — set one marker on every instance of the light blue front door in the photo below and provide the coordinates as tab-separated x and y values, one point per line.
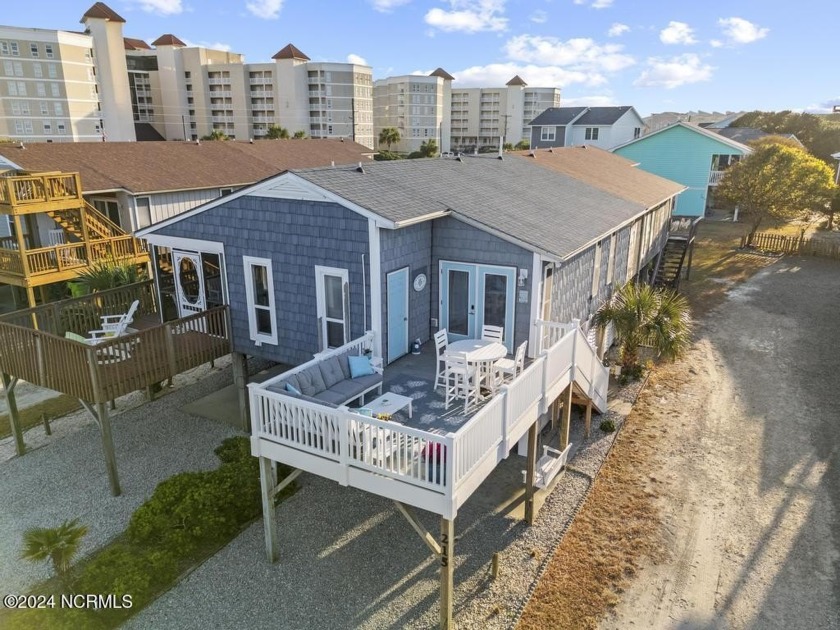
397	287
474	295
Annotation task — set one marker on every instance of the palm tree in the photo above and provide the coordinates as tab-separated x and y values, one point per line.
641	314
389	136
276	132
216	134
58	544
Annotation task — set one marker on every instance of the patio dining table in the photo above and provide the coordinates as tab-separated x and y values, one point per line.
482	352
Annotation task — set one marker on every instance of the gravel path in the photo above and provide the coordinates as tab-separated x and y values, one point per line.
65	478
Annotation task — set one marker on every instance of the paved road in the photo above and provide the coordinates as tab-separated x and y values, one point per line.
750	467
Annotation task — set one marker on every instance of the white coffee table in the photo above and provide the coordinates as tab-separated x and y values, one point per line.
389	403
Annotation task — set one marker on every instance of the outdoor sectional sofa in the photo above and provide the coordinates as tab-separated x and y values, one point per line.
328	380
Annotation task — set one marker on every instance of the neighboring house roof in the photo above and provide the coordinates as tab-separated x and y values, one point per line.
746	135
143	167
607	171
102	11
290	52
543	210
168	40
696	129
443	74
135	44
603	115
516	80
557	116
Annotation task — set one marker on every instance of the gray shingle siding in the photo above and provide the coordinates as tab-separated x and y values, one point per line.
538	143
572	286
456	241
408	247
296	236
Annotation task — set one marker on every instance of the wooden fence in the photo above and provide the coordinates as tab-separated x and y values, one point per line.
792	245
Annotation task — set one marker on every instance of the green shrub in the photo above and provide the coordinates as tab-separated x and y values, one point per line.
235	449
607	426
123	569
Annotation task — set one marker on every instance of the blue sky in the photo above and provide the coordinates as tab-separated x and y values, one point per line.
656	55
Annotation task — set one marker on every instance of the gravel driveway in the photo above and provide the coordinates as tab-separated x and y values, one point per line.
751	463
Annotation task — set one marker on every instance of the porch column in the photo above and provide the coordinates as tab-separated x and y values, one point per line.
14	417
567	417
529	474
240	380
447	572
267	484
108	448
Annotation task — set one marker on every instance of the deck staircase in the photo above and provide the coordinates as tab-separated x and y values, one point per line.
670	263
98	225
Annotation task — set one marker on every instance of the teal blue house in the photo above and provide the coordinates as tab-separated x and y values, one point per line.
690	155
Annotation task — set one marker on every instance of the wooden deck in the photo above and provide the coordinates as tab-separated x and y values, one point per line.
33	348
86	236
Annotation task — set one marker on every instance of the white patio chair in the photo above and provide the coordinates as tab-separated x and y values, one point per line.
493	333
511	367
441	343
462	380
114	325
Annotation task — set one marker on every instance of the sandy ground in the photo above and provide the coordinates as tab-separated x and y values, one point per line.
748	479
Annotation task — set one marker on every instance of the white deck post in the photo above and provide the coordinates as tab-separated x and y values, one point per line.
447	572
267	484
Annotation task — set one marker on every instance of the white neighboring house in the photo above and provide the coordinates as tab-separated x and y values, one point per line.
602	127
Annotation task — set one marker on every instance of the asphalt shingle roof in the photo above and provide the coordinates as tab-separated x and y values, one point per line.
543	209
155	166
557	116
602	115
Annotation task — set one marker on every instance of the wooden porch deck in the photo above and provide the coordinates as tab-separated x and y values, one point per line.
33	348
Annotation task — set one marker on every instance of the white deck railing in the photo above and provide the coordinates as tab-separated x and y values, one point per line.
428	470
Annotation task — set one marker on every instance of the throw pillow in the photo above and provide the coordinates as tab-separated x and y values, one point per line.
292	389
360	366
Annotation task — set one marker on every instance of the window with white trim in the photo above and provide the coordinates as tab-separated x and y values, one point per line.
18	69
41	89
591	133
48	51
8	67
548	133
332	297
4	48
56	92
33	50
61	128
52	70
45	108
38	70
14	49
259	294
47	128
59	109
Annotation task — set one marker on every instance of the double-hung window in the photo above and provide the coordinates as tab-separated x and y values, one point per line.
259	293
591	133
548	134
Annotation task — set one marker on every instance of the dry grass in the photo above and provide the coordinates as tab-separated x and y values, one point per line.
718	264
616	529
51	408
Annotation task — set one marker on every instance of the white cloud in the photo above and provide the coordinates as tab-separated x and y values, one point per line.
209	45
590	101
539	17
386	6
356	59
596	4
579	53
740	31
715	43
826	107
265	9
677	33
161	7
617	29
498	74
469	16
674	72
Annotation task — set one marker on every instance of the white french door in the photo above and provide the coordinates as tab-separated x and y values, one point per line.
474	295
